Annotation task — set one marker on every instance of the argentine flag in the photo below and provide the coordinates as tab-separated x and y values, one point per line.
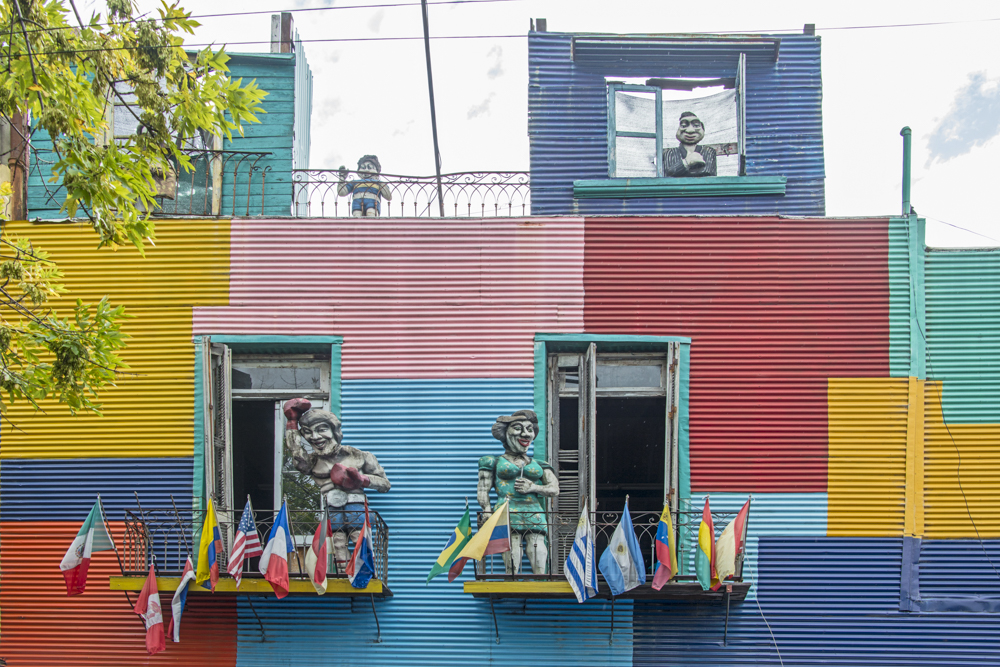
580	569
621	563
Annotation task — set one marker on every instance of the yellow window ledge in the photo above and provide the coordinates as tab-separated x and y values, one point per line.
335	587
561	589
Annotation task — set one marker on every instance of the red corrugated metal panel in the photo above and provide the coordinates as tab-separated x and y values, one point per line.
44	627
413	298
774	308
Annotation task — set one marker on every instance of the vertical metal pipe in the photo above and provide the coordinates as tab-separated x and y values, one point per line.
906	134
430	91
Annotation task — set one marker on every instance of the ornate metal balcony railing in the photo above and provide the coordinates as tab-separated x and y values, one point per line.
562	529
317	193
169	536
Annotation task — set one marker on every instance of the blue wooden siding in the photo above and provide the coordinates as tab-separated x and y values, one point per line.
568	117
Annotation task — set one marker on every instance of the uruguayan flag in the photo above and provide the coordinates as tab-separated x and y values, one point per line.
621	563
580	567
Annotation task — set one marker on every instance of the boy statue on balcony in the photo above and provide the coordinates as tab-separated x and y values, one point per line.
525	482
342	473
368	191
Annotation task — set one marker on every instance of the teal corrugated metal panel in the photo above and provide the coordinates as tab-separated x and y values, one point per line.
429	435
771	515
899	299
963	332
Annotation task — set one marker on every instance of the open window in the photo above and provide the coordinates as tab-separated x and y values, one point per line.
613	421
645	117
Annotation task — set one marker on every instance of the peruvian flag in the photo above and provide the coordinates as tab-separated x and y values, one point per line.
148	606
274	560
93	536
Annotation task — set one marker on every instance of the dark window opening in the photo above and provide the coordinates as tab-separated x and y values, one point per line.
253	454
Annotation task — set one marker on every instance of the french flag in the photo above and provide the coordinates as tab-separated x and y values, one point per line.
361	566
274	561
179	600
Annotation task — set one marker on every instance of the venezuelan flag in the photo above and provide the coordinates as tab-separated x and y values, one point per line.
492	538
209	550
666	550
704	555
449	555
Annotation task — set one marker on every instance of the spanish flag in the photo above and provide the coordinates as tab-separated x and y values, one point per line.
449	555
704	555
492	538
209	550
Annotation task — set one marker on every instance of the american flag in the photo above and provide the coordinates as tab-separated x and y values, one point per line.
245	545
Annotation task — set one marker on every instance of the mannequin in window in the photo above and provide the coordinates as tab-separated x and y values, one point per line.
689	159
342	473
525	482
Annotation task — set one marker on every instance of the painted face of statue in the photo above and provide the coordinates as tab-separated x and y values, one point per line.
519	436
690	130
320	436
368	168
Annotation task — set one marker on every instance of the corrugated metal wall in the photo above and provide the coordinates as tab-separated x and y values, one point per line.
568	116
774	308
413	298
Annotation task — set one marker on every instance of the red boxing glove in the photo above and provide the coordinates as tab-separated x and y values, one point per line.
348	478
293	410
359	479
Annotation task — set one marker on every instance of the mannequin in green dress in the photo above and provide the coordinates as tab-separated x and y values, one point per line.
525	483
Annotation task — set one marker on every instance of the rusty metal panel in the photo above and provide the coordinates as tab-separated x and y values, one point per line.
42	627
413	298
774	308
568	121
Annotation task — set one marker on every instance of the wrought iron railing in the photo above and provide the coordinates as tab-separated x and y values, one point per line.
169	536
321	193
561	529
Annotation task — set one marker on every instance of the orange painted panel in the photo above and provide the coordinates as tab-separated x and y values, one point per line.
42	626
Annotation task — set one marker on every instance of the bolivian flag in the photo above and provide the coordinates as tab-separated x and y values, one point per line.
457	541
704	555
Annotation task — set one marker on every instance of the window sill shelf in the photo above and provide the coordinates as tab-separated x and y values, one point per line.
255	586
561	590
708	186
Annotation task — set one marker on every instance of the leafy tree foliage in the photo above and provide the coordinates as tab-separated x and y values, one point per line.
65	75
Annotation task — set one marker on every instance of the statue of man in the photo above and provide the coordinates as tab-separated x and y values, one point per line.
525	483
342	473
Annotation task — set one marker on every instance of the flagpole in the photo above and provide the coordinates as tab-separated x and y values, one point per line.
180	526
121	566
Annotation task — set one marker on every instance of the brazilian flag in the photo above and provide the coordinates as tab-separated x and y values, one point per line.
457	540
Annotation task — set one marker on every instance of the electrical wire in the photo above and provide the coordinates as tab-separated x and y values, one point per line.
963	229
756	598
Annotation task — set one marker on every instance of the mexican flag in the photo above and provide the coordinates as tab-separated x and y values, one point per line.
93	536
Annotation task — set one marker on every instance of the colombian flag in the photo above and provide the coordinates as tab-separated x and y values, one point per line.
492	538
704	555
457	541
209	549
666	550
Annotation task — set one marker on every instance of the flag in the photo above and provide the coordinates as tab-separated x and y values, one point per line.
361	566
209	550
730	544
621	563
704	555
316	557
148	606
93	536
492	538
580	569
180	598
246	544
274	560
666	550
448	560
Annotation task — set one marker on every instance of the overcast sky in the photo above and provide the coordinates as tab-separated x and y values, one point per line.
943	81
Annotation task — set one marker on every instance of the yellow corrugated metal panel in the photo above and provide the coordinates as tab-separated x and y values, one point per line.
187	266
978	448
866	473
148	414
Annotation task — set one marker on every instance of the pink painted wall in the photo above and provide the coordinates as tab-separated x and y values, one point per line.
413	298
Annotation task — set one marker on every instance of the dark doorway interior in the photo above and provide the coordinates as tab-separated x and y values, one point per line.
253	454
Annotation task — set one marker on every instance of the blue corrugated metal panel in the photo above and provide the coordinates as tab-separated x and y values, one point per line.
429	435
959	569
899	299
567	128
771	515
65	489
963	332
829	601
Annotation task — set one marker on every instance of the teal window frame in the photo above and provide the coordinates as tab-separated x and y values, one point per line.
254	344
613	132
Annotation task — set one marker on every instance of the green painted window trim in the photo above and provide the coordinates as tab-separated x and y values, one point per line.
707	186
269	344
578	342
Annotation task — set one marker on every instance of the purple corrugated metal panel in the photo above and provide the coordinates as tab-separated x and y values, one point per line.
413	298
568	119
